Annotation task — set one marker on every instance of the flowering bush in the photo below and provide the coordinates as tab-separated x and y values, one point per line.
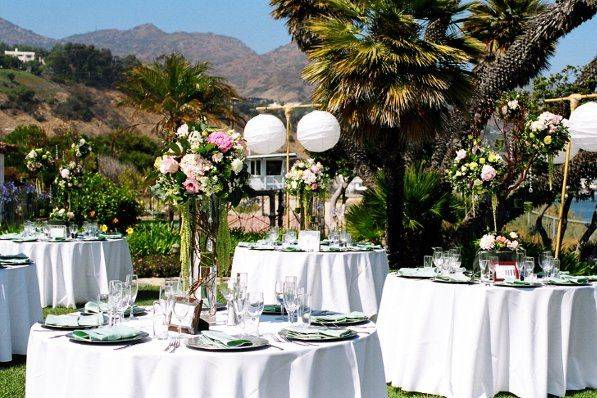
38	159
202	161
475	170
494	242
61	214
546	133
510	106
306	176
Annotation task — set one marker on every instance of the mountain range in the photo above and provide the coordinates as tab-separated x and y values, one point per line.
274	75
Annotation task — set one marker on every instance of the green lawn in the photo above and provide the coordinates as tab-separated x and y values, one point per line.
12	374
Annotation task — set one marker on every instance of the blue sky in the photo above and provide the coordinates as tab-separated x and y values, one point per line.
248	20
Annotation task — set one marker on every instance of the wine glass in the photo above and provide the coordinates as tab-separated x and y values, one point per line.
529	266
438	258
133	280
279	291
255	308
334	239
545	263
102	306
484	268
181	309
304	309
240	305
114	298
125	300
290	302
555	267
494	261
272	235
241	280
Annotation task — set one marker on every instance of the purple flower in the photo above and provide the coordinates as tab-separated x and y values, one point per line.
222	140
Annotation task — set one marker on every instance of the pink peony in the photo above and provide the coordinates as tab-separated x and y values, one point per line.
191	185
194	165
169	165
461	154
488	173
65	173
222	140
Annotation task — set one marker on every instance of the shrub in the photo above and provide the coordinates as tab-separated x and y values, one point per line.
153	238
78	106
157	266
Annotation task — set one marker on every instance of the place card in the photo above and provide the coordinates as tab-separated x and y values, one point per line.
57	231
309	241
192	323
505	270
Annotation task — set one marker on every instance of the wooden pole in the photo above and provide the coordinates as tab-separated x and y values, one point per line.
574	100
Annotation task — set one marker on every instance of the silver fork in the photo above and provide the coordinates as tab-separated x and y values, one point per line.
169	346
175	345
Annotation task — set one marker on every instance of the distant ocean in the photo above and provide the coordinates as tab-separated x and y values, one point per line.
583	210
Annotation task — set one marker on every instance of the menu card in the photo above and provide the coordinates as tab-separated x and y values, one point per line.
309	241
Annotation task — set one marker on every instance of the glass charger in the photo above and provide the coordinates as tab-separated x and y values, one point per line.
284	334
65	327
141	336
257	344
352	322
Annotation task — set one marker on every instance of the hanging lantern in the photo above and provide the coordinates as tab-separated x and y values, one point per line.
265	134
318	131
583	130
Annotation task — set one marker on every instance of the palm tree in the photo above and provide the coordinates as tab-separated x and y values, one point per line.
374	70
179	92
497	23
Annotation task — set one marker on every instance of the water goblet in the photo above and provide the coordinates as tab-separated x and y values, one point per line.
290	302
159	320
255	308
180	310
279	291
240	305
133	280
484	268
102	306
304	309
555	267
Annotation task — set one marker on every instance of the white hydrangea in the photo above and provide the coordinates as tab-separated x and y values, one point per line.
487	242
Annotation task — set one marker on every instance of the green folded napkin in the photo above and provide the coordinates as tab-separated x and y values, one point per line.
245	244
517	282
332	249
92	238
13	256
225	340
108	333
15	261
354	316
359	248
93	308
28	239
453	278
369	246
111	236
421	272
71	320
11	236
272	308
591	278
317	333
567	280
292	249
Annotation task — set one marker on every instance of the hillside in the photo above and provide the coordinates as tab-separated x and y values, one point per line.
274	75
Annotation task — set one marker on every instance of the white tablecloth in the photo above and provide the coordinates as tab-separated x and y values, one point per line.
74	272
19	309
58	368
340	281
474	341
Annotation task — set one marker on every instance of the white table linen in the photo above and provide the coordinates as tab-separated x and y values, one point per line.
19	309
74	271
57	367
475	341
337	281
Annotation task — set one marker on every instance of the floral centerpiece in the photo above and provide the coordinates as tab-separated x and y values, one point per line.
38	159
506	247
546	133
306	180
201	172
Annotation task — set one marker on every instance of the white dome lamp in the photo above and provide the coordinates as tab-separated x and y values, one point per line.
583	130
264	134
318	131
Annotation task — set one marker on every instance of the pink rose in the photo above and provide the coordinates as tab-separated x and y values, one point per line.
65	173
169	165
194	165
488	173
191	185
314	186
222	140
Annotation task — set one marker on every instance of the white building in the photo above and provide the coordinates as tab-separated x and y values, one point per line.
267	171
23	56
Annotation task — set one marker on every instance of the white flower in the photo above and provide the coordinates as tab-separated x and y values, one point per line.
488	173
65	173
32	154
513	104
217	157
487	242
537	125
183	131
237	165
82	141
461	154
512	244
513	235
70	215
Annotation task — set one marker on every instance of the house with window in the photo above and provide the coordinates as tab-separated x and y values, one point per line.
23	56
267	171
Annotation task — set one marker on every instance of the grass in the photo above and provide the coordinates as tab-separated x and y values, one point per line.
22	79
12	374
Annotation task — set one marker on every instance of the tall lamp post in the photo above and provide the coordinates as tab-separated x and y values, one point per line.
574	100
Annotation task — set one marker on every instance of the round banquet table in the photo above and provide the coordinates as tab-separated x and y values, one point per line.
19	309
337	281
75	271
474	341
57	367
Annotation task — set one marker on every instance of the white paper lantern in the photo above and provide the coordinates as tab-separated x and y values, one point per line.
318	131
583	130
265	134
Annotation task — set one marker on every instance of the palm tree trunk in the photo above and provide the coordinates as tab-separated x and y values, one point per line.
394	167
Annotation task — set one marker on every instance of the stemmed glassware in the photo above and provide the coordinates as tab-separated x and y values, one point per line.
304	300
102	306
545	260
438	258
334	238
133	281
125	299
345	239
181	309
529	266
272	235
114	298
555	267
280	296
160	319
290	299
167	300
240	304
255	308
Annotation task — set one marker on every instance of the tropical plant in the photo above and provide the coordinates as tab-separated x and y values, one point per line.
152	238
372	68
179	92
426	207
497	23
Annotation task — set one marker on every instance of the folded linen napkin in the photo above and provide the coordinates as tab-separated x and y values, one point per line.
272	308
369	245
354	316
292	248
13	256
108	333
15	261
317	333
225	340
518	282
111	236
454	278
72	320
421	272
332	249
92	307
567	280
25	239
